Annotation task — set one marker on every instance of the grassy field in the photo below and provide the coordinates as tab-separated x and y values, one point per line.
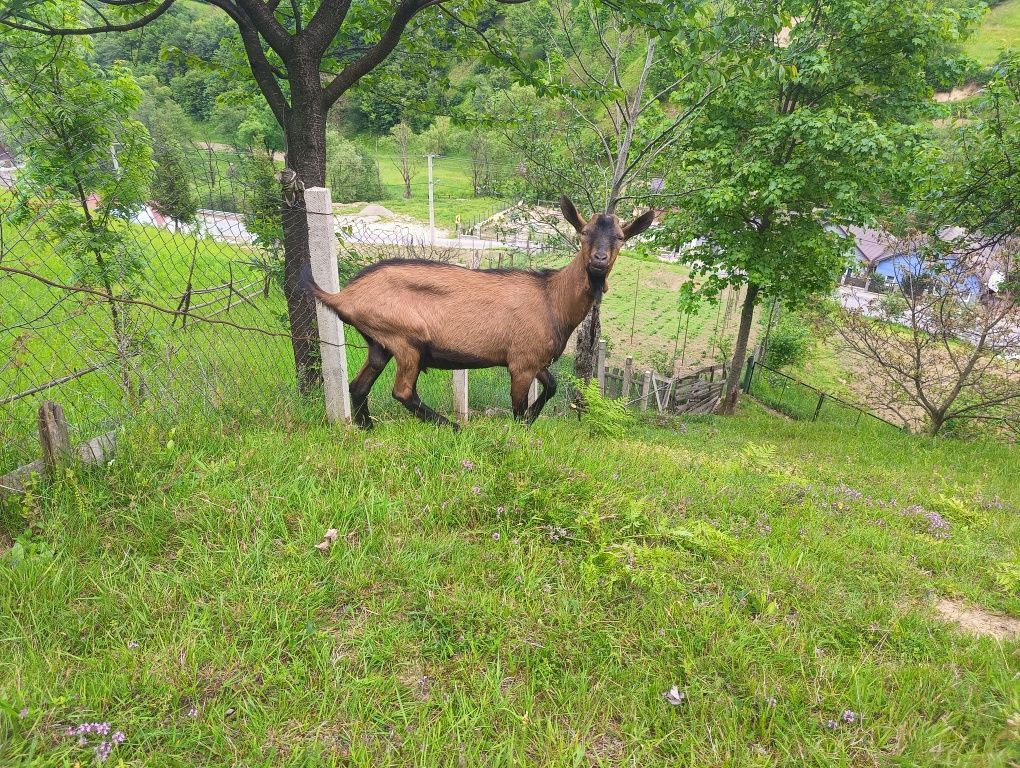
454	194
999	29
509	597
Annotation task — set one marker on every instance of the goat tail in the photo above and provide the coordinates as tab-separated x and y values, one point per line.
308	284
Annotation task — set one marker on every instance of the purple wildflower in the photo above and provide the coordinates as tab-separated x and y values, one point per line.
193	712
771	701
103	751
118	737
475	489
831	725
132	644
23	713
495	536
848	716
500	511
938	526
467	465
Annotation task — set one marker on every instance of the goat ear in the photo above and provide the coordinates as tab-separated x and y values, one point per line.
638	225
570	213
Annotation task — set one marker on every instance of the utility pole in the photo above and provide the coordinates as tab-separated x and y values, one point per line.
432	205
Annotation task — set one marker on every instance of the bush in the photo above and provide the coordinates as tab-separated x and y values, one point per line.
350	172
789	342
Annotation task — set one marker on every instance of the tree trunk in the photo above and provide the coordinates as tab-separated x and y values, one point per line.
306	155
587	347
728	405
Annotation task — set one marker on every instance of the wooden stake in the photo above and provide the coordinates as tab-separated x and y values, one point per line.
53	435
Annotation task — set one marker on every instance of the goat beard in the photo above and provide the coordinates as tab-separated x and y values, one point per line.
599	284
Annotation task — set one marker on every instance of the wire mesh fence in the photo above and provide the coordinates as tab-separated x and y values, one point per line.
806	403
113	305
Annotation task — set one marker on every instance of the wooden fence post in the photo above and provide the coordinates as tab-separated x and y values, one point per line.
53	435
628	378
322	252
646	390
601	366
460	395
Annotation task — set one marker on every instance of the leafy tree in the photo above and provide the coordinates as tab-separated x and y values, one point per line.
974	181
304	55
816	130
196	91
262	216
407	151
65	117
171	191
352	174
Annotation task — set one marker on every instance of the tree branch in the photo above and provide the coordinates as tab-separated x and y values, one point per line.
45	29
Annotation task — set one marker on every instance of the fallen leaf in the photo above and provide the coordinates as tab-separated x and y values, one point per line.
322	546
331	535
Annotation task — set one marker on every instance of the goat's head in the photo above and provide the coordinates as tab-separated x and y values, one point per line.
602	236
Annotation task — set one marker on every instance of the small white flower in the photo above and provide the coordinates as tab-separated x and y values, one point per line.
674	696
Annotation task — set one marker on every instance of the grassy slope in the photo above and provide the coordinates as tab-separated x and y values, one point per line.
453	191
450	625
999	29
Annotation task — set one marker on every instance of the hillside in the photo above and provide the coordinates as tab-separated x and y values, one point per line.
505	596
999	29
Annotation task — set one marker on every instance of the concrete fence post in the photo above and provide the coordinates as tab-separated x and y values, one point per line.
322	249
460	376
646	390
600	364
460	395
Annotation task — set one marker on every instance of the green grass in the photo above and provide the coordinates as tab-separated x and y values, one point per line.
511	597
51	334
999	29
454	194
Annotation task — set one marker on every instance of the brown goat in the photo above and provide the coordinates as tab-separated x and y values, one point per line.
434	315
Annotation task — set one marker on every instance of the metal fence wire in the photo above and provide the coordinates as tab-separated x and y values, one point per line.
804	402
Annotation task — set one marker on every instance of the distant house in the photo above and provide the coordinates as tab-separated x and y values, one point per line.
883	260
7	167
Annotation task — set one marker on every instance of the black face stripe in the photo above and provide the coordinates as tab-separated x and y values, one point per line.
604	235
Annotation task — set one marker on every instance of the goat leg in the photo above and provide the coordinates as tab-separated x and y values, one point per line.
548	382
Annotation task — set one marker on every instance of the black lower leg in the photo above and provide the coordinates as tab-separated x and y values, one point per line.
363	382
423	412
548	392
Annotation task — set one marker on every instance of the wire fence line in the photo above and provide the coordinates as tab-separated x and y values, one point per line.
803	402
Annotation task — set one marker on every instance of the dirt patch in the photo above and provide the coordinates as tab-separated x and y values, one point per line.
978	621
377	210
957	94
